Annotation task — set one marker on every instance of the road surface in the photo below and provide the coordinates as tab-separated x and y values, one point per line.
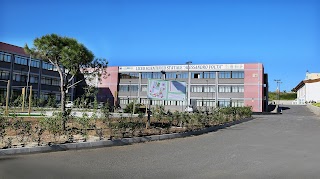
270	146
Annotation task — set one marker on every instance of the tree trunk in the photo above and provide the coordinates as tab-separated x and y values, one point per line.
63	107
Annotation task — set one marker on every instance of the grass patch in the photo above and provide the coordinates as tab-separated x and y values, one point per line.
316	104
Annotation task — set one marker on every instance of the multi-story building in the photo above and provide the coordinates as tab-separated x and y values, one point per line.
211	85
208	85
25	71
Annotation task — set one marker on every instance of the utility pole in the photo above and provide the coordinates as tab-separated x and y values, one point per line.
278	89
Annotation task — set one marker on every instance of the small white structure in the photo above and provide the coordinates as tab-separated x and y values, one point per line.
308	90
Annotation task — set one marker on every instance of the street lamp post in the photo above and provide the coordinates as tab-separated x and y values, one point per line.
189	81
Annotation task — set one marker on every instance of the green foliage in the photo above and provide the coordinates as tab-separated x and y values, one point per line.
51	101
69	57
17	102
85	122
283	96
129	107
158	112
53	124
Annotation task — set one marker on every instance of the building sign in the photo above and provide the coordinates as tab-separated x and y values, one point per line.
174	68
166	90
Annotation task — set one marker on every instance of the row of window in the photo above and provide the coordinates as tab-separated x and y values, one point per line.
5	57
198	102
230	103
21	60
48	66
34	63
203	88
50	81
184	75
127	88
34	79
231	89
194	88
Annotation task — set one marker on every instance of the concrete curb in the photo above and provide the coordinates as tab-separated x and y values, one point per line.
117	142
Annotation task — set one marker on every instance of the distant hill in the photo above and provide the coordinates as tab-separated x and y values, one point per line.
283	96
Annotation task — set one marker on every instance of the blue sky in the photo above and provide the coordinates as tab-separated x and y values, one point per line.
284	35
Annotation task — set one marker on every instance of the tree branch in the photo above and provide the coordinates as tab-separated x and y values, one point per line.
74	84
71	78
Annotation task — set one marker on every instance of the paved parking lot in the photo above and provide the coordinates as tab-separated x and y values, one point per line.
270	146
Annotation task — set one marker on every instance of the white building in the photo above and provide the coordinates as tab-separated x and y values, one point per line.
308	90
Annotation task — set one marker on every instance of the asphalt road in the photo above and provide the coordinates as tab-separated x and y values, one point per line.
270	146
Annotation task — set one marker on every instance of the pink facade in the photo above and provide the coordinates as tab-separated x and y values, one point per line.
253	86
108	85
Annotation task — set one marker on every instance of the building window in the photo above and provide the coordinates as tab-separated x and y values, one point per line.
225	74
224	103
20	60
33	79
205	102
129	75
35	63
144	101
156	75
224	89
237	74
55	82
237	103
196	88
5	57
209	75
124	88
48	66
196	75
237	89
146	75
4	75
171	75
209	89
144	87
157	102
16	77
133	88
123	101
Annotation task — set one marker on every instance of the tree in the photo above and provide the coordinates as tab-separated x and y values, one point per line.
70	58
